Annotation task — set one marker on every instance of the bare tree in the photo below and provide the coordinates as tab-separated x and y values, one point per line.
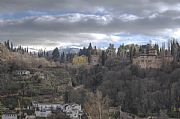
97	106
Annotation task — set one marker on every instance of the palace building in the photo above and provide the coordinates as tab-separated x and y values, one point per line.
149	58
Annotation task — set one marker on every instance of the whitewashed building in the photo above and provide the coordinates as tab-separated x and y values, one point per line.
44	106
21	72
73	110
9	116
43	113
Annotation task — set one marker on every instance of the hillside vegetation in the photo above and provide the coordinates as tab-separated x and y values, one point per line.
24	60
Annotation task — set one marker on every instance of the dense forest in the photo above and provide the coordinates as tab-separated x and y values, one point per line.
138	91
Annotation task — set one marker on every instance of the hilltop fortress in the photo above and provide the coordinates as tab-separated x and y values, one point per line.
149	58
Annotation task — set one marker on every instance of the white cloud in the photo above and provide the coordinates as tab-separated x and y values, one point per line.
128	17
67	22
154	15
162	7
175	33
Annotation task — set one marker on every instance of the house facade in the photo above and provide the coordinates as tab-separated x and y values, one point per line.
9	116
80	60
74	111
94	59
43	113
21	72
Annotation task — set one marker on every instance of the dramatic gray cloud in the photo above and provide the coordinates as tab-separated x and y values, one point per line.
50	23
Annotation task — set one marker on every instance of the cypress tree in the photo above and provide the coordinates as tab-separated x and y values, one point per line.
103	58
11	46
62	57
55	54
8	45
1	109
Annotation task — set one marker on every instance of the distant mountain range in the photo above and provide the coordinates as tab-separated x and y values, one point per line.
68	50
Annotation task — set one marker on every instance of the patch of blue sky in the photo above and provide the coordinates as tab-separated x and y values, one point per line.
141	39
133	39
19	15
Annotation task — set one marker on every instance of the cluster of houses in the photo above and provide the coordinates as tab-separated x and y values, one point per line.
21	72
44	110
74	111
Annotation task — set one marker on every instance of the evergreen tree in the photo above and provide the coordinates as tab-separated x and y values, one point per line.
103	58
55	54
63	57
44	53
134	52
5	43
85	51
95	51
90	46
11	46
8	45
1	109
157	48
89	53
119	51
131	53
40	53
47	54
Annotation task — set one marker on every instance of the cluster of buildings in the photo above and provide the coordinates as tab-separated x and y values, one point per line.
149	58
21	72
44	110
145	56
74	111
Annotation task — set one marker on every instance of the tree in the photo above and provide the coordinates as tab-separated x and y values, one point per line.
103	58
131	54
8	45
90	46
1	109
63	57
97	106
11	46
156	46
47	54
55	54
27	50
111	50
89	53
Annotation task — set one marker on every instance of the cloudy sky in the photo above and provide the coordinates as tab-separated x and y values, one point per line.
51	23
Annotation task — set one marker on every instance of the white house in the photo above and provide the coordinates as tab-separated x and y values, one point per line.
30	117
44	110
73	110
44	106
22	72
43	113
9	116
